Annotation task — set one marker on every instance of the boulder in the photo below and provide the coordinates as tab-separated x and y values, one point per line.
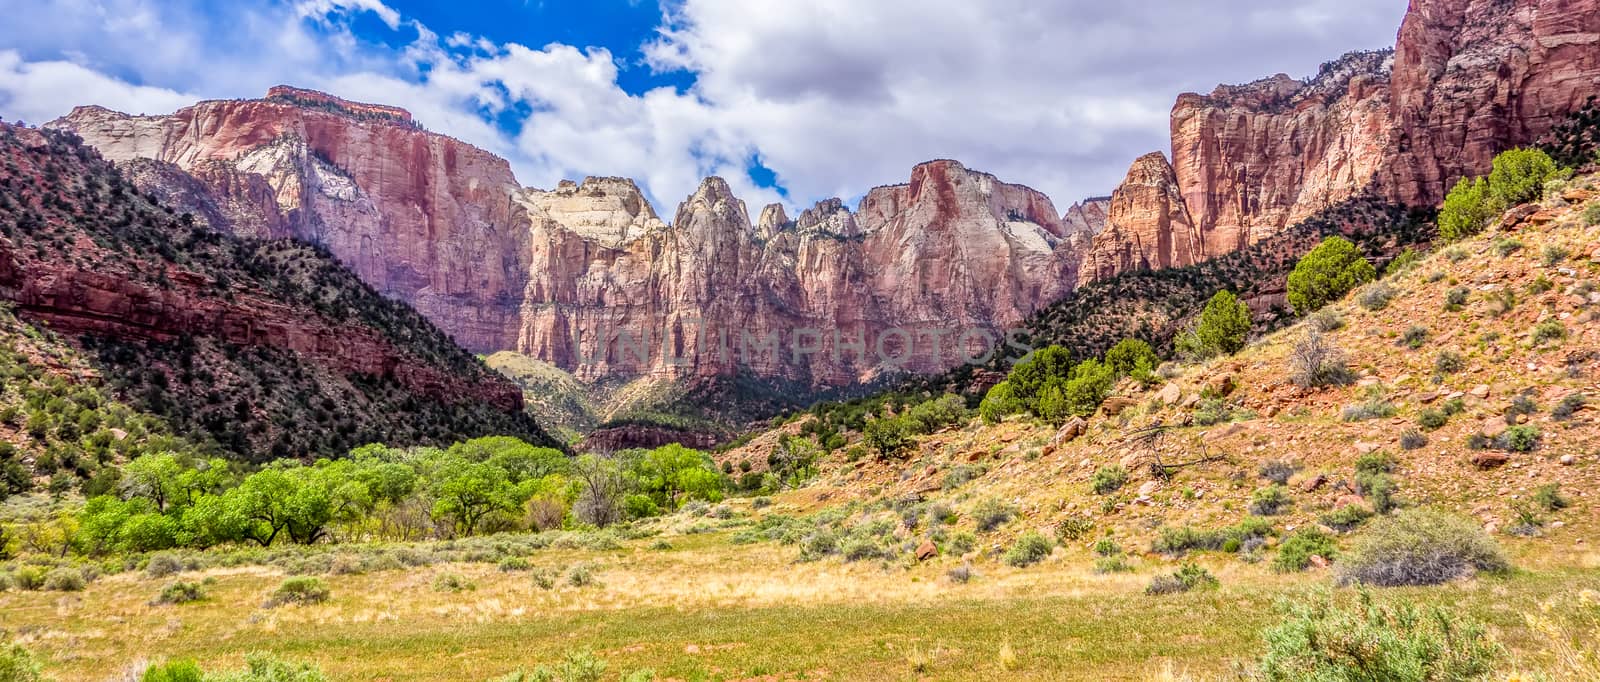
1485	461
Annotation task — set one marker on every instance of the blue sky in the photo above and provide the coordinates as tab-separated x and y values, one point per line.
792	102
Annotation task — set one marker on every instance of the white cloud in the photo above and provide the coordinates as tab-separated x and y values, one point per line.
36	92
836	96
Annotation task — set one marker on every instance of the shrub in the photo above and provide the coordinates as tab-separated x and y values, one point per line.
1315	363
1519	176
1523	438
545	578
962	475
263	667
1412	439
1506	247
1549	498
1270	501
1346	518
1591	215
1568	407
1278	471
299	590
1373	408
512	564
960	574
1296	552
1327	320
1107	547
1466	210
1376	297
1379	489
29	577
1403	261
1224	324
173	671
991	513
580	575
1432	419
18	665
963	543
1212	411
1074	528
1112	564
1554	254
1178	540
1455	298
64	580
1414	337
1420	547
1188	577
1108	479
163	565
180	592
1339	640
1549	330
1327	273
1030	548
451	582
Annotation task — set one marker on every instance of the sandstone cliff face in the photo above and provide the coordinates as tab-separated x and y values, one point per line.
421	217
587	276
1087	217
952	251
1474	77
1467	79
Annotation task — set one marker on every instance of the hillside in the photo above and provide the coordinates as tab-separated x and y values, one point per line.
262	348
1473	368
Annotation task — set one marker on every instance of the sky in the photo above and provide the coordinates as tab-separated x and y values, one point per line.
791	101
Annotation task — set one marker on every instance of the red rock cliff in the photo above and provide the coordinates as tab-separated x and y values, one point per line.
1467	79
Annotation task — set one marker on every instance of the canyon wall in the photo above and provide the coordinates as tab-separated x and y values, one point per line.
1466	80
586	276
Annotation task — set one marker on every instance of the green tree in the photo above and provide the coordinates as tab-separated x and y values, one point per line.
1130	356
464	492
890	436
520	460
793	459
1327	273
1466	209
999	403
1519	176
1030	377
673	471
1090	384
1224	324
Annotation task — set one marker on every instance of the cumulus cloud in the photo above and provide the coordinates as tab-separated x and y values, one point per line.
835	96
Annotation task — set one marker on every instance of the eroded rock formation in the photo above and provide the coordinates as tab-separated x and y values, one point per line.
1466	80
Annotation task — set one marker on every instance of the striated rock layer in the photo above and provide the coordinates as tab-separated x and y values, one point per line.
1466	80
587	276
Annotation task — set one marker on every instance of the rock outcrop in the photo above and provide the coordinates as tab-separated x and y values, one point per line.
1466	80
421	217
823	299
